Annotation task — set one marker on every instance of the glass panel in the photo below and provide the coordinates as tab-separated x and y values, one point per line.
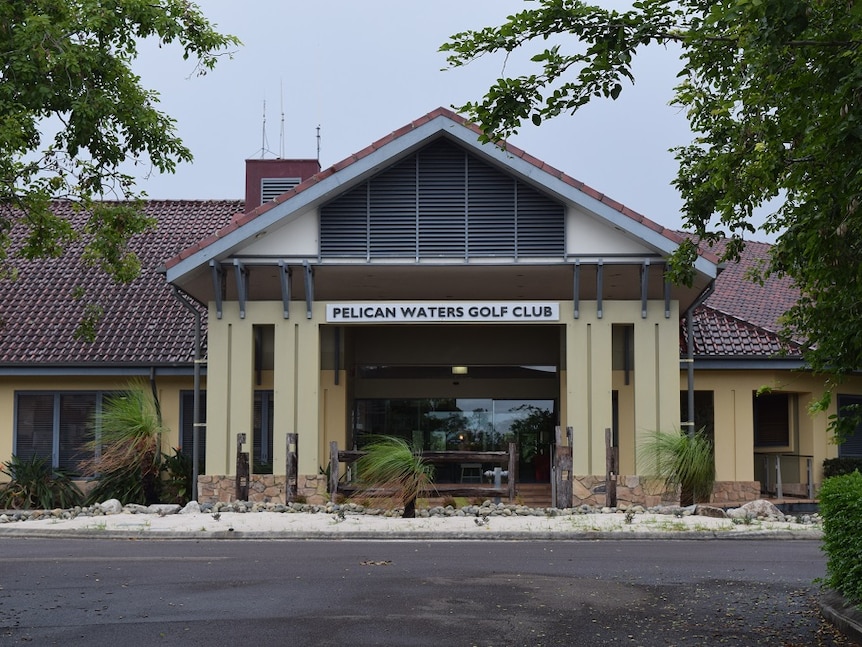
464	424
77	412
263	429
187	417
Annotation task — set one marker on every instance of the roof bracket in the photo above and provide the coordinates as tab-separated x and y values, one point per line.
217	274
241	285
644	287
284	276
576	289
309	287
600	276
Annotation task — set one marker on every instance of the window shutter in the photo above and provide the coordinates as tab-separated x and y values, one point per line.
77	413
34	426
187	419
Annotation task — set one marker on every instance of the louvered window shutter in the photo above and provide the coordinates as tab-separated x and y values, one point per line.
34	432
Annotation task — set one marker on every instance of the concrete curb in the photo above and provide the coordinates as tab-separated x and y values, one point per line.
478	535
842	614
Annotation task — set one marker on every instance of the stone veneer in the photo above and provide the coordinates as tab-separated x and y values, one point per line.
589	490
638	490
262	488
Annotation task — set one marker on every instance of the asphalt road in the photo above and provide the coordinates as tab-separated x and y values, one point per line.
663	592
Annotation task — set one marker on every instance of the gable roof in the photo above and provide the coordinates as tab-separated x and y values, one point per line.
143	324
387	150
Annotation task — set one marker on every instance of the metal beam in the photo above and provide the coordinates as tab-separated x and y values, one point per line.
241	285
644	288
309	287
284	276
576	289
216	269
600	279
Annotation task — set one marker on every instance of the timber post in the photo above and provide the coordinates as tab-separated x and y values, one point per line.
291	473
242	469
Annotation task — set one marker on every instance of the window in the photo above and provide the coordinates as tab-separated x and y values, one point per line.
56	426
852	446
263	428
262	434
704	412
187	419
772	420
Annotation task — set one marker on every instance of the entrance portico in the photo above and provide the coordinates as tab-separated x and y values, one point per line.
372	282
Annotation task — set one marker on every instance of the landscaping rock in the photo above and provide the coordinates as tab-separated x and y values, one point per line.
111	506
710	511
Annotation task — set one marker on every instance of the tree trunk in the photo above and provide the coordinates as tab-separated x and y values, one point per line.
409	509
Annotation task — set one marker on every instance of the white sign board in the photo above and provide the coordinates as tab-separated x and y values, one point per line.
444	312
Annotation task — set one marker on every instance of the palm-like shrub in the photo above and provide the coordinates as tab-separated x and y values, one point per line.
393	466
35	484
127	448
680	460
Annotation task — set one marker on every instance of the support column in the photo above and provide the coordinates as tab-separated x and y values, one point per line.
284	387
306	388
240	381
588	386
218	403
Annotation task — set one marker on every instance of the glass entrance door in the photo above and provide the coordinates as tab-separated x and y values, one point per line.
464	424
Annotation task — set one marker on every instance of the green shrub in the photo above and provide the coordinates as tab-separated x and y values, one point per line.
177	479
35	484
841	508
839	466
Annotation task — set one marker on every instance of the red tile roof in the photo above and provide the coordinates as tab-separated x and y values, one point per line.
742	317
143	323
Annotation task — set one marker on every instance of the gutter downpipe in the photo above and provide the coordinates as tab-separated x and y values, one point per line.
196	407
689	360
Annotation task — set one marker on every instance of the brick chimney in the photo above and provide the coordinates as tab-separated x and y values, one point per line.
266	179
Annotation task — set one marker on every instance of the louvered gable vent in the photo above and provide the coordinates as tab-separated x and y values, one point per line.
442	202
272	187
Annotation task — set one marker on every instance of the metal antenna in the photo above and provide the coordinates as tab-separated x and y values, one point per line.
263	132
318	142
281	132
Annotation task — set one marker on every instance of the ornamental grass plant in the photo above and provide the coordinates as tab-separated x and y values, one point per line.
680	461
127	447
393	469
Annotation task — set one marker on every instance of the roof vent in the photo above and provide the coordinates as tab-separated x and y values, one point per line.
272	187
266	179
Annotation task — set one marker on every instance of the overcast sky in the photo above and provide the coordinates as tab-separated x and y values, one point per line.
360	70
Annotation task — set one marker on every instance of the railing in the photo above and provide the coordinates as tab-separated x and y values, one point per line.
507	459
785	474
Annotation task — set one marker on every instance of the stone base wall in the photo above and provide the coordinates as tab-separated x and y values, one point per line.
640	490
262	488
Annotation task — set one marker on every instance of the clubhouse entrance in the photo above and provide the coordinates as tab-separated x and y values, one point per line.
457	388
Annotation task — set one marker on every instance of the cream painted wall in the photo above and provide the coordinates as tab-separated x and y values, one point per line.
168	391
652	402
296	384
585	234
734	417
297	237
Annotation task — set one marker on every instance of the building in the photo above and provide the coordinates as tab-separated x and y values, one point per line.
456	294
